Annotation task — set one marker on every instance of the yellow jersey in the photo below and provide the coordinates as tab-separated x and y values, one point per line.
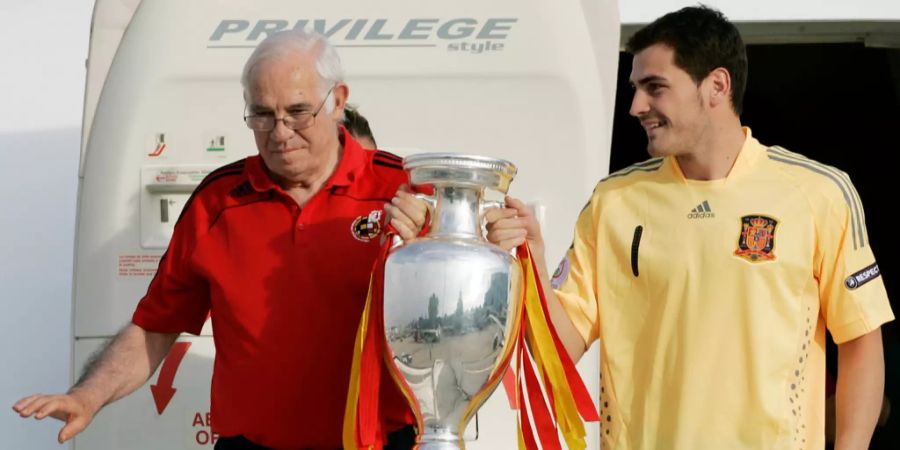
710	299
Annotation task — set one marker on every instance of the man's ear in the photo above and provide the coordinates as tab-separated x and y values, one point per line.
340	93
719	82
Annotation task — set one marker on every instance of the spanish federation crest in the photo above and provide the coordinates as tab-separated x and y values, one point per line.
757	238
364	228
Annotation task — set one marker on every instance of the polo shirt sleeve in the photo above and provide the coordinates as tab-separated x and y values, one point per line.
575	279
853	299
178	298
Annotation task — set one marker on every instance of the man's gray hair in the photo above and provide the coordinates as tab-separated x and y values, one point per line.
287	44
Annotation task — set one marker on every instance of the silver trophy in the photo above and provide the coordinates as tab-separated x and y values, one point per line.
452	299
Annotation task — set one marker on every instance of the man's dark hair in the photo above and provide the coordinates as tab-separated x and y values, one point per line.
703	40
356	124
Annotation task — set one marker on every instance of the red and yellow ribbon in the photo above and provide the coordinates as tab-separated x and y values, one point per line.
562	389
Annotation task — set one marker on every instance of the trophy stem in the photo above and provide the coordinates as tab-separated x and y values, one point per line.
439	439
438	446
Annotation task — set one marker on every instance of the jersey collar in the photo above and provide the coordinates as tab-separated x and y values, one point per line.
746	160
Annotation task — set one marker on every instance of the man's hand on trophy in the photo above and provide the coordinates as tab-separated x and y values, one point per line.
509	227
406	213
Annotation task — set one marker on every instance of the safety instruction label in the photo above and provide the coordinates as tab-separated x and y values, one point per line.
138	265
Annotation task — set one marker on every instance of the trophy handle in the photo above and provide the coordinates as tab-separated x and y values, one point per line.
482	208
431	201
485	205
488	204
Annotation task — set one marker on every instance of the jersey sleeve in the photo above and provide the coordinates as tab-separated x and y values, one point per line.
178	298
575	279
853	299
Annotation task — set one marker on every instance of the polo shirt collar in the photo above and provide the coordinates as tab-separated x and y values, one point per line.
353	161
744	163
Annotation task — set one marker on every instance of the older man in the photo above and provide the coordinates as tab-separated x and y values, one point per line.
277	248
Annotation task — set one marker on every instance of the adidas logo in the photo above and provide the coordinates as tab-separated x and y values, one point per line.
702	211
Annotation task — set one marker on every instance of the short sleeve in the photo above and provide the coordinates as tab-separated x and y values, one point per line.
851	292
575	279
178	298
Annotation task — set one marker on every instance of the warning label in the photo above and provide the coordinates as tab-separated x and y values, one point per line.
138	265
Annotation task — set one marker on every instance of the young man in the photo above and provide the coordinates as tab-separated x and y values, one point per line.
710	273
277	248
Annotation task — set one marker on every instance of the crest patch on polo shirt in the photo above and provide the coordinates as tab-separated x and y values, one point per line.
757	240
561	274
364	228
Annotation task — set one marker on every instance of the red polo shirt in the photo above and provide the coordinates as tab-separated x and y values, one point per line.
285	287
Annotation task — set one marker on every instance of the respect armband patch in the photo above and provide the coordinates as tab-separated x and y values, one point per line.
862	277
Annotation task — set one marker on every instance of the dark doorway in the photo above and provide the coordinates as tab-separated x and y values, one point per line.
835	103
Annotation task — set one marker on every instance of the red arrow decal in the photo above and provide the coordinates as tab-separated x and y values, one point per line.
158	151
163	391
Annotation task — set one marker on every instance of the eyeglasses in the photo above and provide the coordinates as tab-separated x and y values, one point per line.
296	121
